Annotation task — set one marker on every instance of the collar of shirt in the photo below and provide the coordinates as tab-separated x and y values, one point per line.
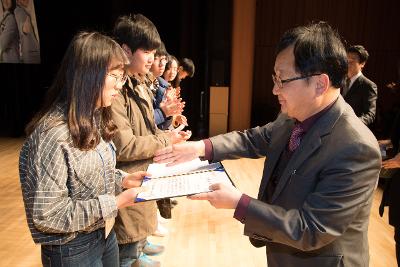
163	83
309	122
131	83
155	84
354	78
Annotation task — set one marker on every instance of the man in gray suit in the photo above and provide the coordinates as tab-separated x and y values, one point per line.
322	162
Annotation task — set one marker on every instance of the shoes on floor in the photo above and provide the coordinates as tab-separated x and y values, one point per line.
161	231
152	249
145	261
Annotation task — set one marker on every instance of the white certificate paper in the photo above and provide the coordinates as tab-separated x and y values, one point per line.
183	184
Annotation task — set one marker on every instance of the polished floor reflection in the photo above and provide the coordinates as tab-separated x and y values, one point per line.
199	235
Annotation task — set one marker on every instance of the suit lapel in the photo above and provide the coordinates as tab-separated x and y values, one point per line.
310	143
278	143
354	86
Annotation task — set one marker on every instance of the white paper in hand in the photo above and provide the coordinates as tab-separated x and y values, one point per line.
161	169
183	179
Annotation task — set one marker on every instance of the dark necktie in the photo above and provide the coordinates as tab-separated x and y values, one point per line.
294	142
295	137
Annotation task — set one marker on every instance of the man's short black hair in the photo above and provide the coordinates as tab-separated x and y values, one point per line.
317	48
136	31
188	66
360	51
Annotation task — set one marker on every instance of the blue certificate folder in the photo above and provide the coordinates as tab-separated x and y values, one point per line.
194	182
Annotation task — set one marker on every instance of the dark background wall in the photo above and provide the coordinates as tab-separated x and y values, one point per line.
188	28
201	30
374	24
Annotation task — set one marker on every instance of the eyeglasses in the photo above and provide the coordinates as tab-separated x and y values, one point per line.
278	82
119	79
162	60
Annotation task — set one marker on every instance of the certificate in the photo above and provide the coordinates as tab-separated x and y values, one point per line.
183	184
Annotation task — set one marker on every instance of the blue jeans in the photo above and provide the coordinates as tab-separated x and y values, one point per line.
130	252
85	250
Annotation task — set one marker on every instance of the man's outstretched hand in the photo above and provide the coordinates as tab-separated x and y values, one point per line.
179	153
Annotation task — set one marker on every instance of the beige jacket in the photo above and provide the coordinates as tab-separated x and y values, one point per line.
136	141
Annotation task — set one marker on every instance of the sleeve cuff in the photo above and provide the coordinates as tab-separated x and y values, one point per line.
208	150
108	205
119	176
241	208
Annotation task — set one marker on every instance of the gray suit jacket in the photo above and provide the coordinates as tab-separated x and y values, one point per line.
362	97
320	209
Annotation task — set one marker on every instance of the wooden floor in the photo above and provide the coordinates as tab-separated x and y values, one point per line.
199	234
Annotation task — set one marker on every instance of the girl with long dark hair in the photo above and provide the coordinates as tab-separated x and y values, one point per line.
71	189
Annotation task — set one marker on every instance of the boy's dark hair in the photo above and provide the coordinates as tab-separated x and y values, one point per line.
317	48
161	50
188	66
360	51
136	31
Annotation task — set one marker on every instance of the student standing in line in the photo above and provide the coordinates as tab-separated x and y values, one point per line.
170	74
166	105
165	102
171	69
186	69
71	189
138	137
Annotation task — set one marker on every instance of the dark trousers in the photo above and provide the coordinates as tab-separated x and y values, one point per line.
130	252
87	249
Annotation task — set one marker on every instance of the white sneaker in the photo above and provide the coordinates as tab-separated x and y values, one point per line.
161	231
161	219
